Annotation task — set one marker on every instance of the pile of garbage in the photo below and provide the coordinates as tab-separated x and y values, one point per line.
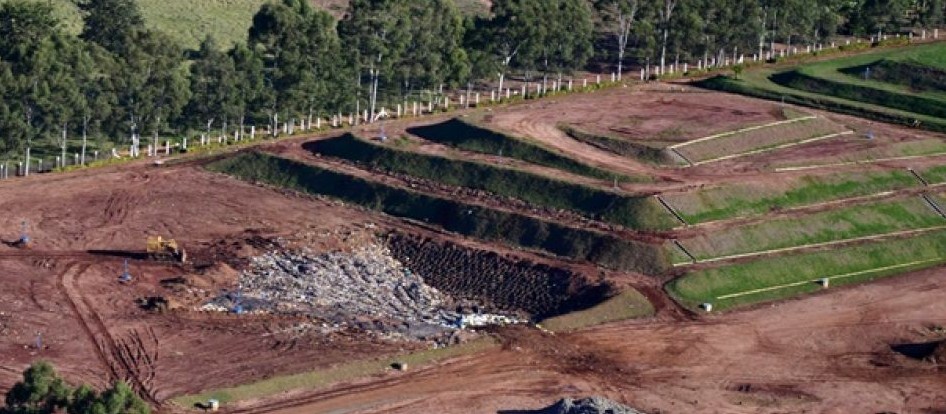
591	405
366	288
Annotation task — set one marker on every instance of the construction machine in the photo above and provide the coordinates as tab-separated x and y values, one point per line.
24	241
165	250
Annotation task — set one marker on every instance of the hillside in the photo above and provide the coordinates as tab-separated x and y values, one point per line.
227	20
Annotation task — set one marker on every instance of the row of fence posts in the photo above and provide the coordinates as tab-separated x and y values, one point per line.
39	165
466	99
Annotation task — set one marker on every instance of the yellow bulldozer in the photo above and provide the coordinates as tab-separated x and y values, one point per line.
165	250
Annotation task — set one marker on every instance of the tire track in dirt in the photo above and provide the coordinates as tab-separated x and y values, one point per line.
65	281
114	357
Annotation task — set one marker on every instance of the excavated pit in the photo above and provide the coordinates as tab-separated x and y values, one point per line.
495	281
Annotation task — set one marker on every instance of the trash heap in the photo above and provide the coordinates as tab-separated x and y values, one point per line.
366	288
591	405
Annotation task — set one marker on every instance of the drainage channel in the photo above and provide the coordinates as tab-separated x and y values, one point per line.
934	204
671	210
684	250
674	150
919	177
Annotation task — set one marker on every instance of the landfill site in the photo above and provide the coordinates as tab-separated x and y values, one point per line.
400	268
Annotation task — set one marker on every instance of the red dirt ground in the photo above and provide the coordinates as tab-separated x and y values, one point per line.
47	288
826	353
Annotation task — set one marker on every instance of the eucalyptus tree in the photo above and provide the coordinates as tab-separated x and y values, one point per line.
213	82
25	31
152	85
377	33
434	53
301	57
619	17
511	37
250	82
110	23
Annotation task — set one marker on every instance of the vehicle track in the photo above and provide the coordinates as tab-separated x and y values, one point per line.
65	281
114	357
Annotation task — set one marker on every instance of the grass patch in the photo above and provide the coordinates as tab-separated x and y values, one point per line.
903	100
741	200
934	175
824	85
829	226
633	212
466	219
757	139
912	75
466	136
708	285
618	146
628	304
758	85
322	378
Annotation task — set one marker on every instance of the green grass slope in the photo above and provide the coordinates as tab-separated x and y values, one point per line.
837	85
785	276
466	136
640	212
467	219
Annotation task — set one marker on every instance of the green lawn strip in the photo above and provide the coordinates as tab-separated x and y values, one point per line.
707	286
325	377
637	212
933	56
913	75
884	217
850	71
628	304
759	139
757	84
740	200
451	215
934	175
463	135
851	88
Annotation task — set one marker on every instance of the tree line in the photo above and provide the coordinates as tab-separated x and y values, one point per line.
43	391
119	80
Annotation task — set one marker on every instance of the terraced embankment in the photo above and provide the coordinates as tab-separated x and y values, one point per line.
898	217
463	135
622	147
634	212
512	285
467	219
763	242
758	139
904	93
750	199
785	276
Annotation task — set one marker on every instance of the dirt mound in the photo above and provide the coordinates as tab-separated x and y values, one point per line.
590	405
497	281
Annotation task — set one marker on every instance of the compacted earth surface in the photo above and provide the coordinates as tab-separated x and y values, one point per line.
287	276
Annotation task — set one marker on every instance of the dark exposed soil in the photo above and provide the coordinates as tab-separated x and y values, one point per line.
507	283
